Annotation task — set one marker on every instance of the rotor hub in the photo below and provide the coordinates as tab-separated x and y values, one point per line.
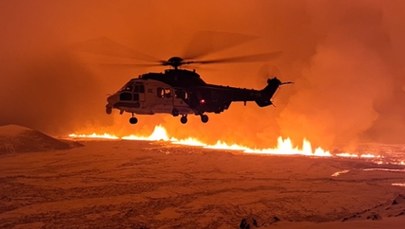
175	62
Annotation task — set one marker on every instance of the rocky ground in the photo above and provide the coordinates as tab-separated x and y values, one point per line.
133	184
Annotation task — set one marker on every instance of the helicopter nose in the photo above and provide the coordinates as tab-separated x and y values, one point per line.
112	99
110	103
109	99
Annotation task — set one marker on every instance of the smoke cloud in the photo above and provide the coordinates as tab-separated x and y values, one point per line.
345	57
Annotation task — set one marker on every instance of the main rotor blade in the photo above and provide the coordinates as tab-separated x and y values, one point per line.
239	59
128	65
108	47
207	42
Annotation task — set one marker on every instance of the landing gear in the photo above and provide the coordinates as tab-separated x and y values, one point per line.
204	118
133	120
108	109
183	119
175	112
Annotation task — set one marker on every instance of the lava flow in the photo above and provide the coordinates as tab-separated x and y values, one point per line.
284	146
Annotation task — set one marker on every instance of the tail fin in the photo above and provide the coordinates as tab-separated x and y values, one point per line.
268	92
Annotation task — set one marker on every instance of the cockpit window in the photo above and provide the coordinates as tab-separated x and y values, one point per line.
139	88
125	96
128	87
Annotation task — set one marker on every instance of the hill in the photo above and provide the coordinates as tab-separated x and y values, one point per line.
14	138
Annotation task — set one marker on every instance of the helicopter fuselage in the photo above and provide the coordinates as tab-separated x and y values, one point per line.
182	92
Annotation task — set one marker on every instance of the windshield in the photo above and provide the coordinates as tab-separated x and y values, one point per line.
128	86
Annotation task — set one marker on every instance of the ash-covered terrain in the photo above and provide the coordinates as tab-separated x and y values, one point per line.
14	138
138	184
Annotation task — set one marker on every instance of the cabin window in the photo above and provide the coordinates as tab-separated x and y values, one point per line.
168	92
160	92
164	92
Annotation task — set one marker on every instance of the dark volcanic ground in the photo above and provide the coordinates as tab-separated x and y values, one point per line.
119	184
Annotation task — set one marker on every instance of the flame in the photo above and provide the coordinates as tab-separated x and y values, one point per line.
352	155
398	184
158	134
94	136
284	145
338	173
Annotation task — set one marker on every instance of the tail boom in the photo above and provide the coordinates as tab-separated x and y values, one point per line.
268	92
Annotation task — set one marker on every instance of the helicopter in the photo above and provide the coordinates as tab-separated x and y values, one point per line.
182	92
179	91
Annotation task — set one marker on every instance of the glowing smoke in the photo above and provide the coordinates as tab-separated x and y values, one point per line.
346	59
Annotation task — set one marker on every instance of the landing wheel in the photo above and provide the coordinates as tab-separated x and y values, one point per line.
183	119
133	120
204	118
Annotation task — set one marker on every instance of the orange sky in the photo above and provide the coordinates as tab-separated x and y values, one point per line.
346	58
